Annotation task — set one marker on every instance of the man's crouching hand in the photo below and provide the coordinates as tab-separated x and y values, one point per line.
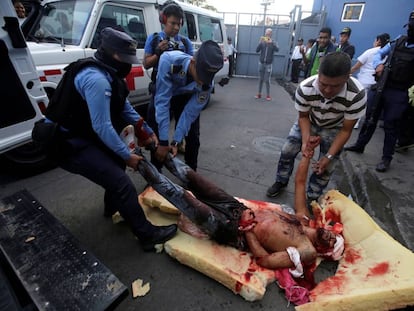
133	161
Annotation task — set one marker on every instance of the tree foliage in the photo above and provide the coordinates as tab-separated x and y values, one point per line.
202	4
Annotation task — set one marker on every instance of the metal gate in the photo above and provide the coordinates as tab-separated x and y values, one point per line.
246	29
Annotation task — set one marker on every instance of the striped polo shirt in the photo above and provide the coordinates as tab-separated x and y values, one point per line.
349	104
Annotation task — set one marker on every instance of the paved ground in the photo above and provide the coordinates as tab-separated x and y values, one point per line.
241	140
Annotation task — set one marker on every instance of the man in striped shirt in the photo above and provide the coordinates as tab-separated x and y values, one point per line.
329	104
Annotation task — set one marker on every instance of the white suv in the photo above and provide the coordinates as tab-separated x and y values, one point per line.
22	94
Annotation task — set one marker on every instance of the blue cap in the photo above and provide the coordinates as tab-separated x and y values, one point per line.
119	43
209	60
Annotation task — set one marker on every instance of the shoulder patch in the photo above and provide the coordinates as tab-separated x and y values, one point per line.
202	97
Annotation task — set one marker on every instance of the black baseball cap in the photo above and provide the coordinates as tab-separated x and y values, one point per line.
209	60
114	41
346	30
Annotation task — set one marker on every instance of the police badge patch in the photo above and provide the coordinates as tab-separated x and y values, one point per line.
202	97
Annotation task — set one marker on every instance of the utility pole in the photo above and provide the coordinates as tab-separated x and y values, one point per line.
265	3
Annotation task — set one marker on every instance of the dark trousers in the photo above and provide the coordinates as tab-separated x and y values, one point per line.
231	65
101	166
192	140
295	70
393	104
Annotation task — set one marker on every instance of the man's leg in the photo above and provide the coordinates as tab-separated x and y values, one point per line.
395	105
198	212
286	163
295	70
317	183
267	76
102	168
369	125
212	209
261	79
192	146
231	65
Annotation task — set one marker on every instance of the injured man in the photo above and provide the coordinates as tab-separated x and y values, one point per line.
276	239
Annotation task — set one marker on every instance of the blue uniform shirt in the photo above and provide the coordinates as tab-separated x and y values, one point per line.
94	85
385	51
172	80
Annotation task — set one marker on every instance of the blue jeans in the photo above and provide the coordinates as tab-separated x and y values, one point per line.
213	210
265	72
291	148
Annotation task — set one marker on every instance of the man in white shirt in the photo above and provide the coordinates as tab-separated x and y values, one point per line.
230	51
297	60
365	66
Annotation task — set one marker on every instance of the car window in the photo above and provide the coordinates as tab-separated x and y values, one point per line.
124	19
62	22
189	27
210	29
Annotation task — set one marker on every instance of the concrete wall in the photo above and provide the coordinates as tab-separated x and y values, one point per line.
378	16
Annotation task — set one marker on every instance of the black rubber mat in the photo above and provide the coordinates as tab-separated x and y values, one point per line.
55	269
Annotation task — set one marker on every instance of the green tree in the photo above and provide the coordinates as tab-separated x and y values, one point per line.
202	4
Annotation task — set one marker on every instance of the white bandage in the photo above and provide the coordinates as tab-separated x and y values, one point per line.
338	247
128	137
295	258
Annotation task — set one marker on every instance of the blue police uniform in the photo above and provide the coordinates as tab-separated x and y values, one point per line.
178	102
173	79
393	103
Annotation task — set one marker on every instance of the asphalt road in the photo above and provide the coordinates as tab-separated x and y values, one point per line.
241	138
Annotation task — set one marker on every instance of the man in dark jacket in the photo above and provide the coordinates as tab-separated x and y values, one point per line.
267	47
344	45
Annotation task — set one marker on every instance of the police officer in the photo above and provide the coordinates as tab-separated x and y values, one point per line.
180	73
91	108
394	98
171	17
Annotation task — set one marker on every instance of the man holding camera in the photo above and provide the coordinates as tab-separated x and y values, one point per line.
171	17
267	47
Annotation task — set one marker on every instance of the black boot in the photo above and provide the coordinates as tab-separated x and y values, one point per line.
161	235
355	148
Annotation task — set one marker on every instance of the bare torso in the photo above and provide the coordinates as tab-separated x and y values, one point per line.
273	233
276	231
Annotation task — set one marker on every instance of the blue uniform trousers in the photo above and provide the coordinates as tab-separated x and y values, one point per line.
393	104
100	165
291	148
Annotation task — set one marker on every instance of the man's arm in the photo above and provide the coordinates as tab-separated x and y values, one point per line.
300	187
305	128
301	177
338	143
190	113
277	260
